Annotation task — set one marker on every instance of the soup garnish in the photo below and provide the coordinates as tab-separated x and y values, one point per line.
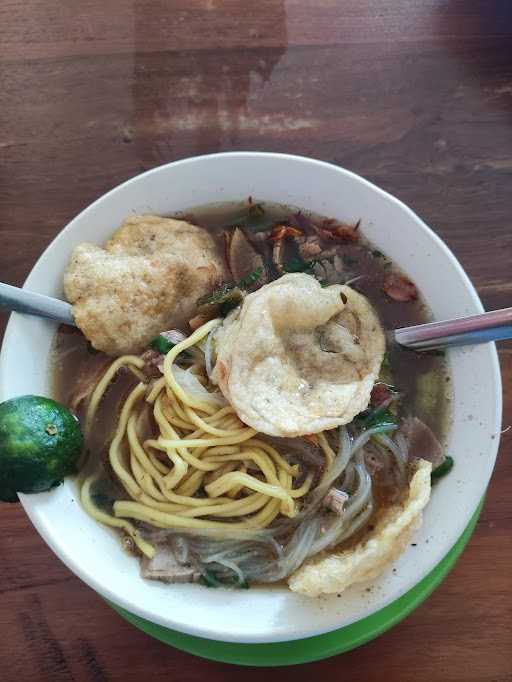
270	435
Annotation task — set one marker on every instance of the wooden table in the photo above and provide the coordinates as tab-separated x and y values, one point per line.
415	95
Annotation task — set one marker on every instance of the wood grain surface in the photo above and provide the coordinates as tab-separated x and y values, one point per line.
415	95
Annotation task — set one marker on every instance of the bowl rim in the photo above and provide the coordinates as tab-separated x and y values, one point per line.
27	502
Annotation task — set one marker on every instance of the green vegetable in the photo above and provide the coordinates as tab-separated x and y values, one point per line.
228	296
216	296
442	469
377	254
299	265
220	302
161	344
251	278
40	443
209	579
380	417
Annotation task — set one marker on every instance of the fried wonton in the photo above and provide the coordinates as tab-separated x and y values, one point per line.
299	358
147	278
332	573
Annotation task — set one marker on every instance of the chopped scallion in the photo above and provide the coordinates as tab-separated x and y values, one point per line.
442	469
161	344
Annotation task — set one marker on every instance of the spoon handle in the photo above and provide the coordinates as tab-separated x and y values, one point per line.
493	326
31	303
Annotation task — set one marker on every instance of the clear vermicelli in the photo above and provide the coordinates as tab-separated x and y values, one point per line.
230	503
264	431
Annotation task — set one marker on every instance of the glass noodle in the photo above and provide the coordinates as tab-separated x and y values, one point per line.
277	552
172	464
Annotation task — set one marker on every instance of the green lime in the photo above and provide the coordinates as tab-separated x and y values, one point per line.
40	443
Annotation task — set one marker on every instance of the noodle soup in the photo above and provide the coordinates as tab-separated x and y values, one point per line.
178	467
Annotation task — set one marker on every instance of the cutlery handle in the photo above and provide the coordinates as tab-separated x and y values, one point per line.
492	326
28	302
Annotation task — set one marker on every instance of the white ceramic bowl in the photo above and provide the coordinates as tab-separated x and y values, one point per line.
266	614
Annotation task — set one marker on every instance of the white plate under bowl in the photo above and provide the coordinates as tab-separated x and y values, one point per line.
266	614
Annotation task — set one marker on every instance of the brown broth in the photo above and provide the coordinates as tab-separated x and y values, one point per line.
76	366
421	378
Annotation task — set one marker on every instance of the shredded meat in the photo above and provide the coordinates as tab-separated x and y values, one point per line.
335	500
280	232
343	234
242	258
386	477
399	288
198	321
379	394
422	442
278	254
309	247
165	567
174	336
152	359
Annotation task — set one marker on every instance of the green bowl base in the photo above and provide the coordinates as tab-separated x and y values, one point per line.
311	648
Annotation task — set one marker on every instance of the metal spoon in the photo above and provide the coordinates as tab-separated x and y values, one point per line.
492	326
28	302
463	331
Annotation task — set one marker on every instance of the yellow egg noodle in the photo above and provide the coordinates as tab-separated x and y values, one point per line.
204	469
